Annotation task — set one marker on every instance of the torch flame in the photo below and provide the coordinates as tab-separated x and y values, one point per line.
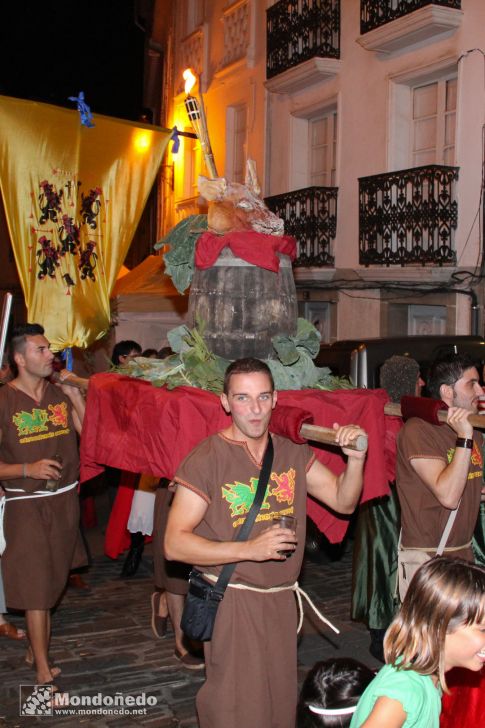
190	80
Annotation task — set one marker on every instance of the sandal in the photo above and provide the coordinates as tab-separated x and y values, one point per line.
190	662
7	629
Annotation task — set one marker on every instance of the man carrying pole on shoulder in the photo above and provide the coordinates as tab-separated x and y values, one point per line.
251	660
440	472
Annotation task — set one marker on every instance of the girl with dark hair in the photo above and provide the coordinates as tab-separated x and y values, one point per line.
330	693
441	625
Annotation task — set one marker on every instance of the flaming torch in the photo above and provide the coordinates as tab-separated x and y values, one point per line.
196	113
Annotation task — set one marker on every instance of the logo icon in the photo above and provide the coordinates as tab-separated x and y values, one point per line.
36	700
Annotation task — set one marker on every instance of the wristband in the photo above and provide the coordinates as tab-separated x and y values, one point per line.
24	470
464	442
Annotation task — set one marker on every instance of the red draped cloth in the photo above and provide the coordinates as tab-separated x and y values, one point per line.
256	248
465	705
132	425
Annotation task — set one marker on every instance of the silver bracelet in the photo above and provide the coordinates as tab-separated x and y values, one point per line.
24	470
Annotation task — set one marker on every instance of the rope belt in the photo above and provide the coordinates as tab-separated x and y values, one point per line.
35	494
299	593
447	549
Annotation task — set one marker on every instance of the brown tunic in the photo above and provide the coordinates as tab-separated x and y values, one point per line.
423	517
42	534
251	659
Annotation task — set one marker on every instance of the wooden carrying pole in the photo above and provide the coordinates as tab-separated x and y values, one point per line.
478	421
327	436
71	379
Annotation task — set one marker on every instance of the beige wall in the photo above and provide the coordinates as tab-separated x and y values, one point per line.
224	84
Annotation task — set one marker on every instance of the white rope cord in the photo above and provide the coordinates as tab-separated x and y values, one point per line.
36	494
274	590
446	550
3	543
299	593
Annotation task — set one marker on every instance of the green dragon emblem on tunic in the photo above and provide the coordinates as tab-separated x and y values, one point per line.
240	496
30	422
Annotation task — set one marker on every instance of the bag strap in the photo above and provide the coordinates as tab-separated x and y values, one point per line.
447	530
260	492
226	573
444	536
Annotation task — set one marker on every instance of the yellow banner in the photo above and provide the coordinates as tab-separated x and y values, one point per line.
73	197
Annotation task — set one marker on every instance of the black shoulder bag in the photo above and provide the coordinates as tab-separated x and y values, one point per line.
203	599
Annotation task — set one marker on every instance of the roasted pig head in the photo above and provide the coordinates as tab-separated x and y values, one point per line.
235	207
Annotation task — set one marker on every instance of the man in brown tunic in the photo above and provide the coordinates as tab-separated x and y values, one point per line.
251	659
39	472
439	467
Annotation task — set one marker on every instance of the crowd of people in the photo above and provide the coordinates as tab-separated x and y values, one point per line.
414	547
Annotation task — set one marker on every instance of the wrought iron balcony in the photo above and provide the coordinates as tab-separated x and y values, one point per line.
374	13
310	215
297	30
408	217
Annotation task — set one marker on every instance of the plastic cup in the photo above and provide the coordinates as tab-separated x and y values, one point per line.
286	522
52	484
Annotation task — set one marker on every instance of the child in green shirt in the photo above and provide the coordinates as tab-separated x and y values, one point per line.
441	625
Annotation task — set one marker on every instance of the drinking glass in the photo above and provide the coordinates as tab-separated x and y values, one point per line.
286	522
52	484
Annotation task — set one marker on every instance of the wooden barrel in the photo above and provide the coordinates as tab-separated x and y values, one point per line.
243	306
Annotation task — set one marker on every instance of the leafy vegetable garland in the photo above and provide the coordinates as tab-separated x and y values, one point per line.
179	260
195	366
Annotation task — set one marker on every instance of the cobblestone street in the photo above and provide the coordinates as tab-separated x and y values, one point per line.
102	641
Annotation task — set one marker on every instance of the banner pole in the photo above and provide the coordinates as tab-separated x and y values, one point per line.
6	310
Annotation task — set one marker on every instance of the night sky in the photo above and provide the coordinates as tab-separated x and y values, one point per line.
49	51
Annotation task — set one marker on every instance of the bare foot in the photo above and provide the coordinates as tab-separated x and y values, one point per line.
43	677
29	659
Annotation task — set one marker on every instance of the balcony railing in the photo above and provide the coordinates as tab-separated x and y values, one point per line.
408	217
298	30
310	215
374	13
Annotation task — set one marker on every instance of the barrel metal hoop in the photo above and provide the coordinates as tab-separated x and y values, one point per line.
233	262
